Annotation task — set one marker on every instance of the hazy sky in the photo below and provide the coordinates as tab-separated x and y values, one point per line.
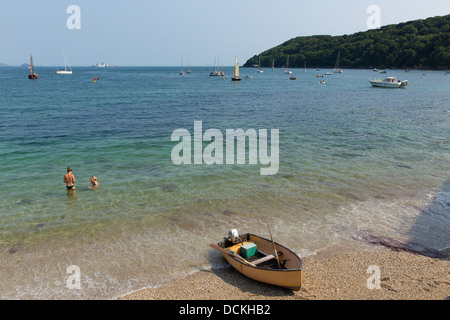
164	33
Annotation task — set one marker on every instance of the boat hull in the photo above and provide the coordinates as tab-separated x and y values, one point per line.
63	72
289	277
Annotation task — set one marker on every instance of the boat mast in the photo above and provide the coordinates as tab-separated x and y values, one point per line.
65	64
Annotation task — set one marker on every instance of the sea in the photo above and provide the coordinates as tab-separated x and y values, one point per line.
353	159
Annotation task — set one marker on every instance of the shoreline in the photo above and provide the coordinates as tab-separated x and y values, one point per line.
333	274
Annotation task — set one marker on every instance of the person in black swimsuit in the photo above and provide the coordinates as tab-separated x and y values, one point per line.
69	180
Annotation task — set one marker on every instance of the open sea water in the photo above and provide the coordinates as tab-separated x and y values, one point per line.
353	158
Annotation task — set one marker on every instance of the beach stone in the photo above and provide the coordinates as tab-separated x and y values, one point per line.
14	249
228	212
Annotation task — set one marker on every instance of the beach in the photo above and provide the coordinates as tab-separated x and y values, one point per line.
333	274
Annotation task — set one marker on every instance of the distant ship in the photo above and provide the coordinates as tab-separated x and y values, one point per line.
101	65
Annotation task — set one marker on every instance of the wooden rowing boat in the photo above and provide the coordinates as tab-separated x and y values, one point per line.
282	267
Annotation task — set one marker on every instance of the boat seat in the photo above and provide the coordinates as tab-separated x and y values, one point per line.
266	258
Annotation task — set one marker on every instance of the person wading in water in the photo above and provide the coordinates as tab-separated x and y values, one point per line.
69	180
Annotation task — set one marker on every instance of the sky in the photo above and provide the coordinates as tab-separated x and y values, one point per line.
172	32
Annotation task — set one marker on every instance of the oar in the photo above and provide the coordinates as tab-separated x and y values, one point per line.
274	249
215	246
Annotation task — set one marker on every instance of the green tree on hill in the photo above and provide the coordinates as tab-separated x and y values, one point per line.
414	44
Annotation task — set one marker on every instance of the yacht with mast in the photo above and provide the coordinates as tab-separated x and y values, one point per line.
286	70
336	67
189	68
259	66
65	71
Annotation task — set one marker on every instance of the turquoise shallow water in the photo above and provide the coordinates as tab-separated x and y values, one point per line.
352	158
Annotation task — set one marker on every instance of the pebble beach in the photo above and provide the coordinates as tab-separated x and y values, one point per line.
333	274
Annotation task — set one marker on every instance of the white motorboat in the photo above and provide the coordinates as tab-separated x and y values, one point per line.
389	82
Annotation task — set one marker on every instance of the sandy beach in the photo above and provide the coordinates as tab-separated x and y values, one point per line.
334	274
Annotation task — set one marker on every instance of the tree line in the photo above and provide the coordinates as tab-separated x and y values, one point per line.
421	43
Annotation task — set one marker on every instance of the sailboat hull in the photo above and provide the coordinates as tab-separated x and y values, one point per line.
235	79
32	76
63	72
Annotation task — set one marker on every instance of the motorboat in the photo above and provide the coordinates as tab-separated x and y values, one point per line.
389	82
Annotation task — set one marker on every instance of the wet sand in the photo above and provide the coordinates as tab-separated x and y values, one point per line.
335	274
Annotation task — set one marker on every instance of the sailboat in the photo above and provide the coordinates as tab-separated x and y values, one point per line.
189	68
236	76
336	68
65	71
181	72
287	67
217	73
32	75
304	69
273	64
259	66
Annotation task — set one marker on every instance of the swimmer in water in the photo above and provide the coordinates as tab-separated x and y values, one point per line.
94	182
